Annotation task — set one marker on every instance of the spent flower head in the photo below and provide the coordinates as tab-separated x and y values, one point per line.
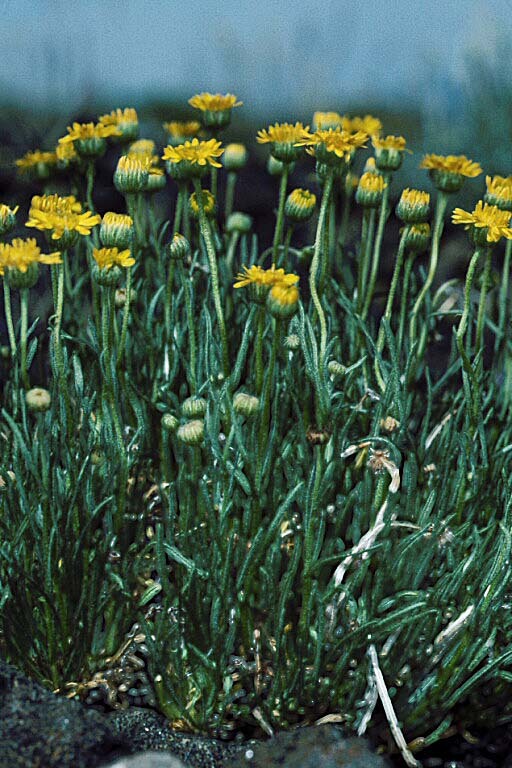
449	171
487	224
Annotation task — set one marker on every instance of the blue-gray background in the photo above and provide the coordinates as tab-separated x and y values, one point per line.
280	57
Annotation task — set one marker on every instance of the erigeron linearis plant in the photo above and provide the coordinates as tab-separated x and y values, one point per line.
248	453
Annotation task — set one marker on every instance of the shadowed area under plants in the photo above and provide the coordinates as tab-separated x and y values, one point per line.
253	486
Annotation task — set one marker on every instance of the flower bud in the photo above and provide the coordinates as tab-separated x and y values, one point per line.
179	248
169	422
235	157
283	300
38	399
116	230
191	433
336	369
131	175
300	205
208	202
389	152
418	237
239	222
292	342
107	277
194	407
245	405
17	279
413	206
276	167
7	219
370	190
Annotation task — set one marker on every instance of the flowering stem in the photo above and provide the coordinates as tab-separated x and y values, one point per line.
368	229
8	318
405	293
278	232
442	201
383	215
265	406
210	250
259	349
90	184
463	324
315	263
230	193
345	214
59	356
178	211
501	336
168	297
187	287
23	336
230	255
126	314
486	279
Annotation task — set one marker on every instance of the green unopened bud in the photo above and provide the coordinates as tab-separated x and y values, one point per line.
283	300
292	342
235	157
276	167
246	405
17	279
239	222
300	205
208	202
194	407
38	400
108	278
337	370
413	206
191	433
417	237
131	175
179	248
389	152
7	219
370	190
169	422
116	230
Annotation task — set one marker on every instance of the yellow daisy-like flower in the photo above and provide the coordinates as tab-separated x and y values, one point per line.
143	151
333	145
63	216
125	120
368	124
142	147
106	258
499	192
389	151
284	138
66	154
326	120
21	254
214	102
448	172
256	275
89	139
38	163
182	129
283	299
208	202
192	158
413	206
487	223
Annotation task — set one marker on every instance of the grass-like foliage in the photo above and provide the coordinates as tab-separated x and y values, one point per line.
299	489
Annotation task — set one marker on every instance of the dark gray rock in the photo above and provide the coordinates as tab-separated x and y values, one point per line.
41	730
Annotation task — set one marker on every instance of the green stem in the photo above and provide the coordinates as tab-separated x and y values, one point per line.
168	298
393	287
178	212
265	406
259	349
367	232
383	216
442	201
503	301
212	259
315	263
405	294
8	319
126	315
230	255
345	213
59	355
486	279
90	185
230	194
278	232
187	287
310	529
23	336
463	324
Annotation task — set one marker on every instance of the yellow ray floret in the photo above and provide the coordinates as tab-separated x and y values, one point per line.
214	102
368	124
282	133
195	152
84	131
182	130
20	254
334	140
55	204
390	142
60	214
372	182
32	159
120	117
256	275
491	217
106	258
452	164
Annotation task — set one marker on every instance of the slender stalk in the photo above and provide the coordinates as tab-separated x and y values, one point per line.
168	298
345	213
405	295
59	355
126	315
178	211
503	300
463	324
486	279
383	216
367	232
393	287
8	319
259	350
310	528
315	263
187	287
23	336
230	194
90	185
442	201
265	405
230	255
212	259
278	231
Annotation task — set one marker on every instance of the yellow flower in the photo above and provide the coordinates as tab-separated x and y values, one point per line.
235	157
413	206
89	139
487	222
192	158
333	145
37	162
499	192
283	299
448	172
7	218
370	189
256	275
285	138
143	151
125	120
66	153
131	174
208	202
182	129
389	152
368	124
20	254
106	258
142	147
326	120
214	102
116	230
63	216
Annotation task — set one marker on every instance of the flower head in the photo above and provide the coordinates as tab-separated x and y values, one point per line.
300	205
284	138
142	147
413	206
261	280
487	223
125	120
116	230
283	299
143	151
62	216
368	124
181	131
19	261
192	158
370	189
207	203
215	108
448	172
131	174
7	218
326	120
89	139
37	163
66	154
333	146
235	157
106	258
499	192
389	151
417	237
